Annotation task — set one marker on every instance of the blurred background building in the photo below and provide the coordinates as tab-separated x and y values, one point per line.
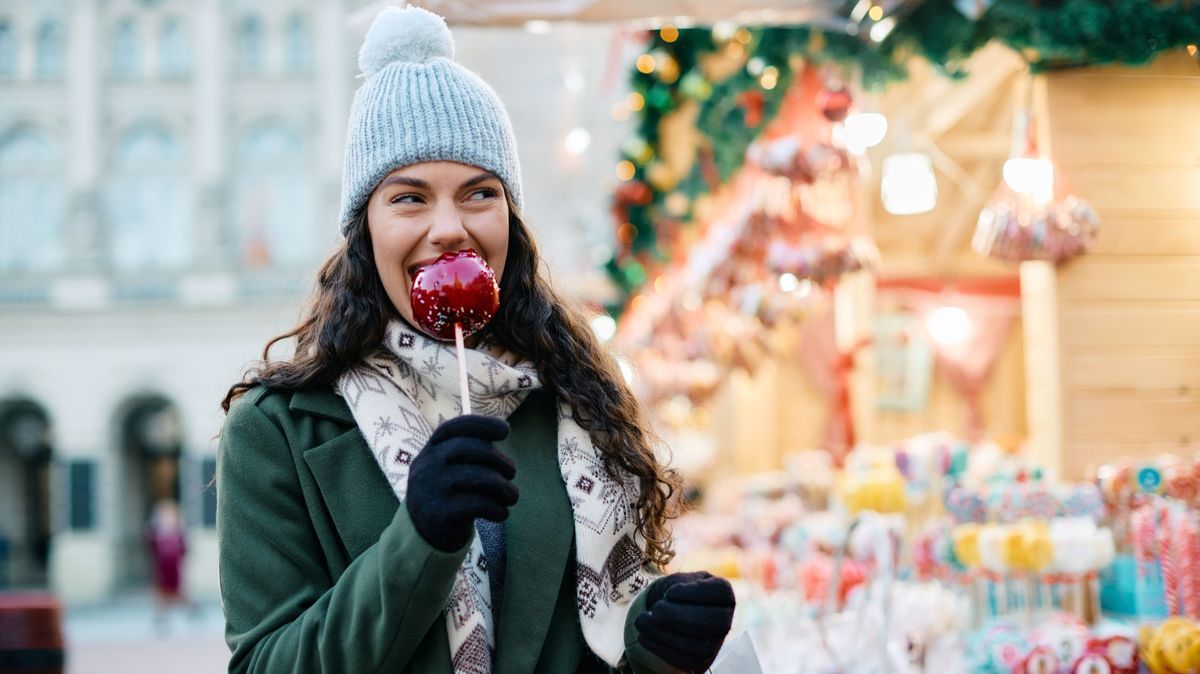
169	182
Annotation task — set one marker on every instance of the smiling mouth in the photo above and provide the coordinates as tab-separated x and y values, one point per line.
416	268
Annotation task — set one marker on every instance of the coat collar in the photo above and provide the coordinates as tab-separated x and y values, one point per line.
322	402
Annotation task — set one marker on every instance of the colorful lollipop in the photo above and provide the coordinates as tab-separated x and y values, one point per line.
455	296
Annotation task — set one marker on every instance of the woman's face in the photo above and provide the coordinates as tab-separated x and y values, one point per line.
420	211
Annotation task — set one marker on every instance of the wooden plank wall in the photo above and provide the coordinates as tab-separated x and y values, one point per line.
1128	142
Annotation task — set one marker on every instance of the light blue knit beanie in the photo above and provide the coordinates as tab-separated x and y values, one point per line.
418	105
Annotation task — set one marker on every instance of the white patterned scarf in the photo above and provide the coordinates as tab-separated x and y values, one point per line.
404	390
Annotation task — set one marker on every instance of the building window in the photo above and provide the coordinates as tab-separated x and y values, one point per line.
148	205
81	491
31	202
125	49
50	49
274	199
8	50
298	54
250	48
173	48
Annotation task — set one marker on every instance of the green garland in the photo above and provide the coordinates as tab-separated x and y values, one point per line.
724	117
1051	34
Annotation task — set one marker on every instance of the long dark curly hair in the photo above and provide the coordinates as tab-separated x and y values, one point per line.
347	314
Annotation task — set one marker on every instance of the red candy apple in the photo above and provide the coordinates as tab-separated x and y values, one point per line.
458	287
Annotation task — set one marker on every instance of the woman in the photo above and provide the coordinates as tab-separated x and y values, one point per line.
364	525
167	544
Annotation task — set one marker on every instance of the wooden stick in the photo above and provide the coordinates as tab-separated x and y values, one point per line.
462	369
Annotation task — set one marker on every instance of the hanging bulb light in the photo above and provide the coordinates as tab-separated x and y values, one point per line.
864	130
948	325
1031	176
908	185
1025	172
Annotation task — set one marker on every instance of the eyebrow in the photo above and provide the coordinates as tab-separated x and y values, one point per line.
421	184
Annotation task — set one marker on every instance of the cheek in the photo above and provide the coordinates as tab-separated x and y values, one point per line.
494	239
390	253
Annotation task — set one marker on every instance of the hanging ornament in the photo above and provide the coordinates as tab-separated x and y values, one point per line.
661	177
1023	221
632	193
752	107
694	85
668	69
834	103
1008	230
791	157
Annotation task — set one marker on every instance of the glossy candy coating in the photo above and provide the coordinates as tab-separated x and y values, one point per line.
459	287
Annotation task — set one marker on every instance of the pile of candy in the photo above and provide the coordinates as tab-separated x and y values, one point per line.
1061	644
1013	501
1172	647
1059	546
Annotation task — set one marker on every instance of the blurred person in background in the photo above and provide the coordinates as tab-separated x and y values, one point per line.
167	544
364	524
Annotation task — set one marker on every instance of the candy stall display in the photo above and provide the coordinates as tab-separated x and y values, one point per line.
1152	507
994	566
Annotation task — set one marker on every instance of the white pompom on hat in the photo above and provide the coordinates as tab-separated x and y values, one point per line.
418	105
412	35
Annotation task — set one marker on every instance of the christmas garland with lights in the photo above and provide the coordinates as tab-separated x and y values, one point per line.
651	205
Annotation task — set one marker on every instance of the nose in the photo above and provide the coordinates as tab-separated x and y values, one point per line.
447	231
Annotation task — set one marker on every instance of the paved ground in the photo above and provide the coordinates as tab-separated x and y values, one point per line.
121	636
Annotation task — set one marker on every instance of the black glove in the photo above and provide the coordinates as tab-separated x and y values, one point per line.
686	619
459	477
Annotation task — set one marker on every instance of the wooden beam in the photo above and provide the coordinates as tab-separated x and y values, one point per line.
981	84
972	145
932	97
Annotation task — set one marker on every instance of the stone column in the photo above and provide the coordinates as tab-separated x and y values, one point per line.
335	45
210	90
84	231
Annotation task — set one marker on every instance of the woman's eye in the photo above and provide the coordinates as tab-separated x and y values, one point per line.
407	199
484	193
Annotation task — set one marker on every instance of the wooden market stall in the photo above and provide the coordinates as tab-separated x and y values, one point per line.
1115	353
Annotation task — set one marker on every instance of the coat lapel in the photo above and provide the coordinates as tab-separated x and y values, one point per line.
539	531
356	492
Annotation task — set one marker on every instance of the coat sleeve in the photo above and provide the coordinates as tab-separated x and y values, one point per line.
639	659
283	611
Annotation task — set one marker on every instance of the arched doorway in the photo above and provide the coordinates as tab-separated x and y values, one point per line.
25	452
151	441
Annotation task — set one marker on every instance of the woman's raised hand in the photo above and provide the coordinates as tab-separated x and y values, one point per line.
459	477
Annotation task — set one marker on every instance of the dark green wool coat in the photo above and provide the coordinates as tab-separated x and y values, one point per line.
322	571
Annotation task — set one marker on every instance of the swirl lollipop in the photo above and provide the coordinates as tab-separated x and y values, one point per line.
453	297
